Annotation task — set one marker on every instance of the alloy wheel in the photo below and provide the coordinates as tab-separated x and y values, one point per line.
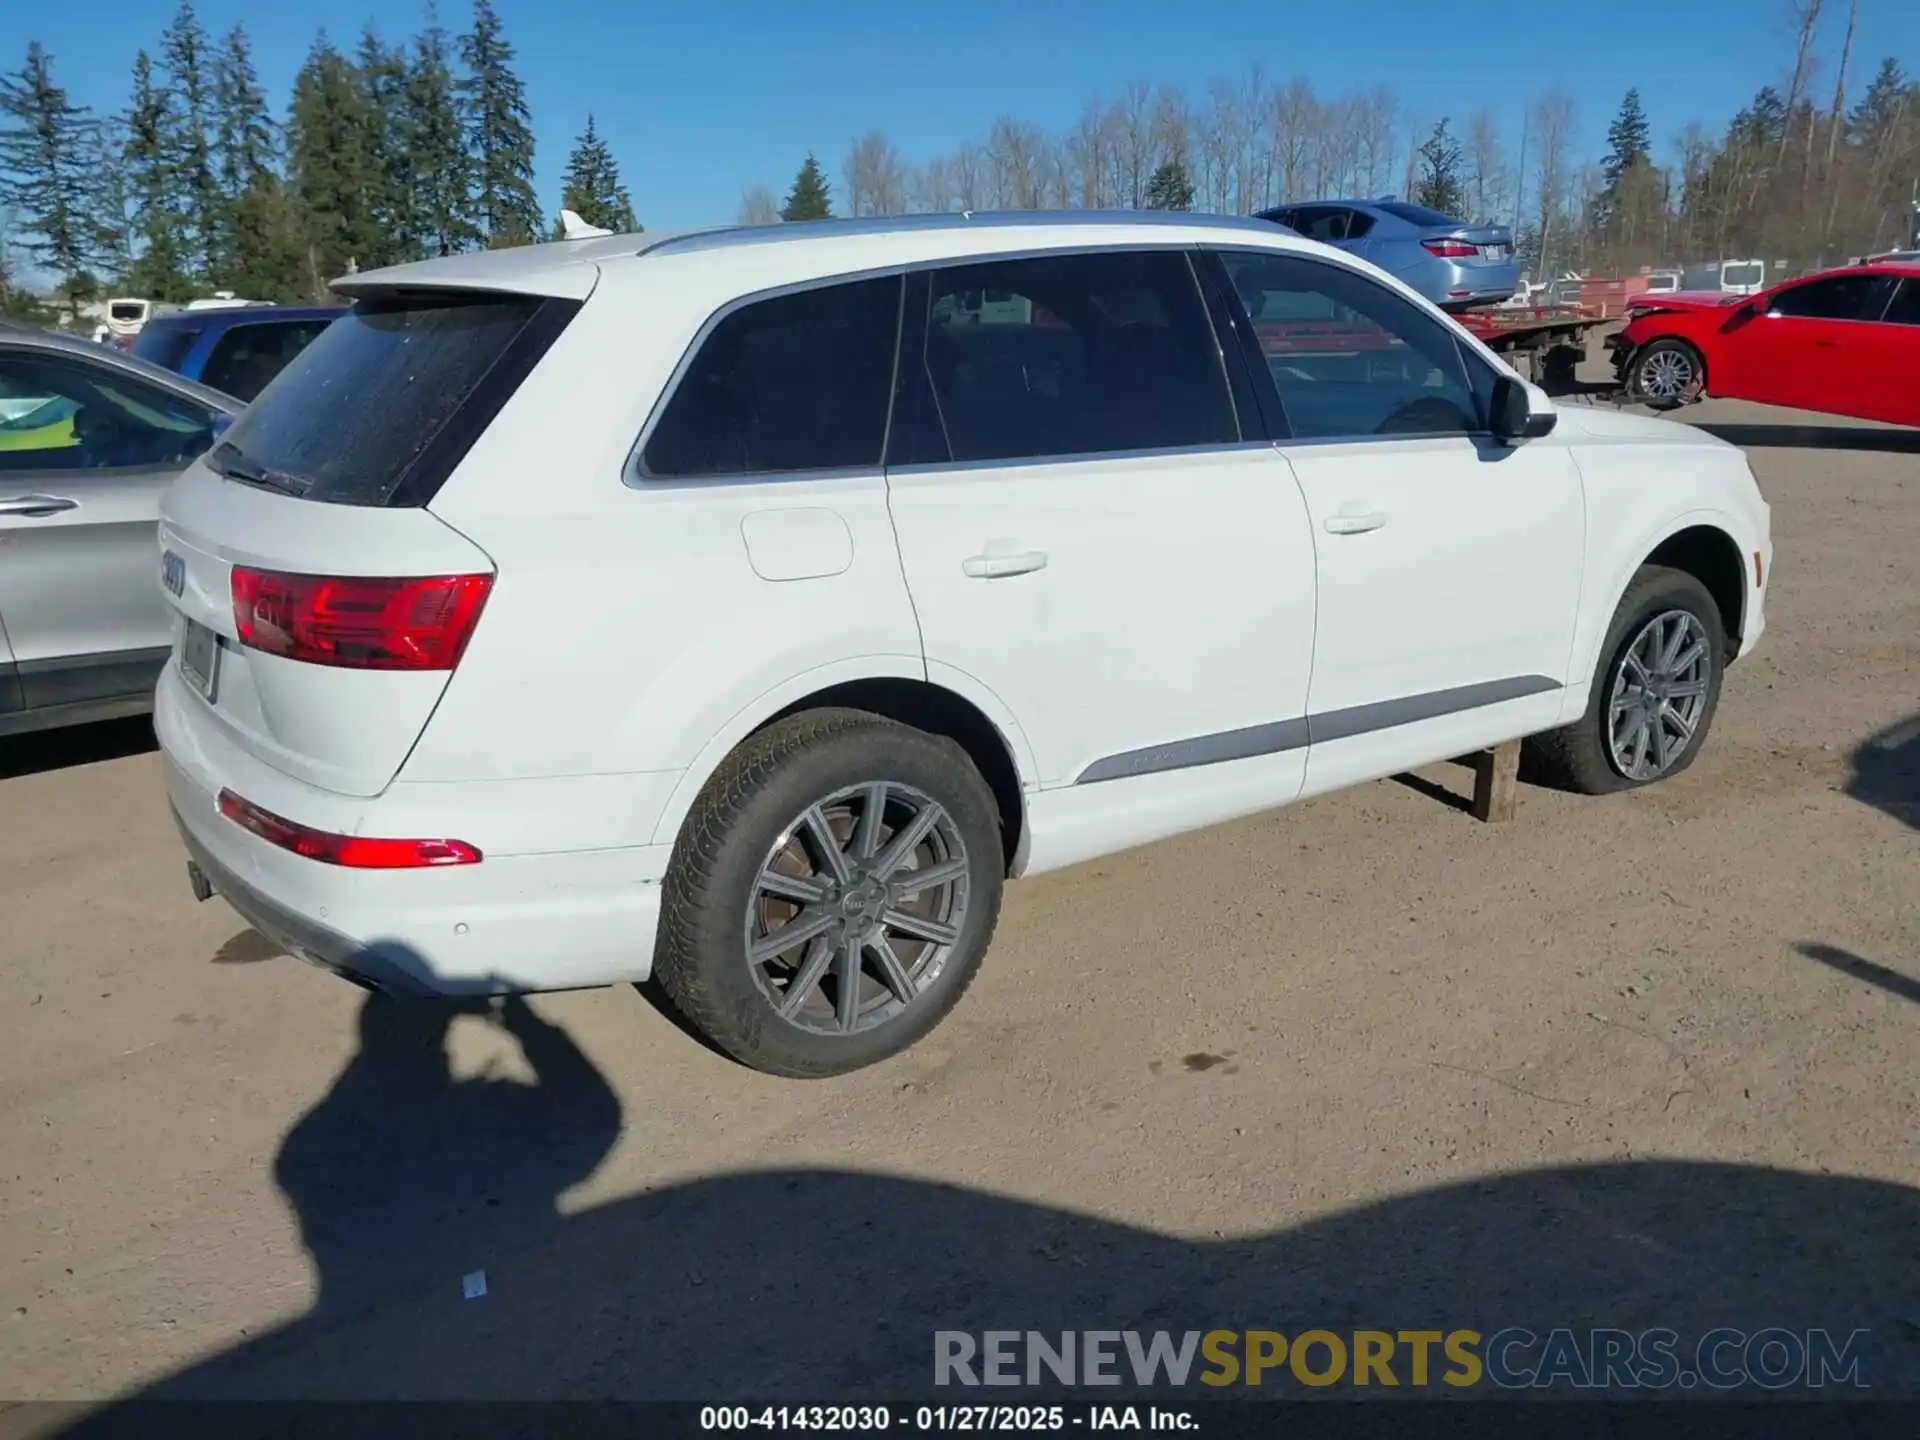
1658	695
857	907
1666	375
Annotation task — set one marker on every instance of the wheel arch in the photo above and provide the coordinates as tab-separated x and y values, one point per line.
1713	557
970	716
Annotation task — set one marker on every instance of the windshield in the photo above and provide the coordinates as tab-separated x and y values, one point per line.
1417	214
1745	272
352	413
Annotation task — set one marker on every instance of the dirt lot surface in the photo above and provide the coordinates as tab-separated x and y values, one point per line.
1640	1061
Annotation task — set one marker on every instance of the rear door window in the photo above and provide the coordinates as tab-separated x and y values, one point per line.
1839	297
1350	358
1072	355
793	383
246	357
383	404
166	345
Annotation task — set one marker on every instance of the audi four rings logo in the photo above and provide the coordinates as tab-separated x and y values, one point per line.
173	573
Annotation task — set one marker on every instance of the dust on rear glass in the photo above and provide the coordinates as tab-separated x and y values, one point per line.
354	411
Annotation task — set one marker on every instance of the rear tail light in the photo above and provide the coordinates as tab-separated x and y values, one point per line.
1449	249
356	852
356	622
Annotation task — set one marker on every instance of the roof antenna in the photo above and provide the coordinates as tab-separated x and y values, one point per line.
572	227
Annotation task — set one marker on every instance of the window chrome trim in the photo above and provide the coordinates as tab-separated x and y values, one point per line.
1085	457
633	473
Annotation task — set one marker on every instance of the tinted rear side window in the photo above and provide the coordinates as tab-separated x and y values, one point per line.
248	356
381	406
1070	355
166	345
797	382
1842	297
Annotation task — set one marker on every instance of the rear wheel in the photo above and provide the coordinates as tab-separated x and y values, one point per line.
1666	374
1653	696
831	894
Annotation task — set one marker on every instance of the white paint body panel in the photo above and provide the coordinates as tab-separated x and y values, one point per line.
1176	597
638	632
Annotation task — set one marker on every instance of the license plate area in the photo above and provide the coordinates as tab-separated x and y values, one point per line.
1493	252
200	657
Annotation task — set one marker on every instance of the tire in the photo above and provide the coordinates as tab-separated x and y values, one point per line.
1666	374
1581	756
752	861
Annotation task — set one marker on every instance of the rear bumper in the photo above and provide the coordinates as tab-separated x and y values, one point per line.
558	921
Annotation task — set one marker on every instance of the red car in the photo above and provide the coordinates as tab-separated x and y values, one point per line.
1846	342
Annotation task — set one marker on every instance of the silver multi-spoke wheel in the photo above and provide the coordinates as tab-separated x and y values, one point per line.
857	907
1659	695
1667	374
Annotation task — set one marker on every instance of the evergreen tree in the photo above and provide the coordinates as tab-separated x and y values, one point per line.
810	198
591	187
1171	188
184	50
107	220
499	135
1441	186
43	177
251	257
394	230
1629	140
327	165
157	269
1881	107
434	137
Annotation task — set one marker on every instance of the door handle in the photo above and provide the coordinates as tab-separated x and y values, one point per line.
1355	522
37	505
995	567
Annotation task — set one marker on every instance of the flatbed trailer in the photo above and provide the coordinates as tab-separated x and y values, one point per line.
1547	343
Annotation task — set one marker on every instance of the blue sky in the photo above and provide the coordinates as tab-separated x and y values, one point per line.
702	97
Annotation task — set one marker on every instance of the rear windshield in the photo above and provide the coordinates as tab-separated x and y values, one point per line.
127	309
1751	273
357	410
166	345
1416	214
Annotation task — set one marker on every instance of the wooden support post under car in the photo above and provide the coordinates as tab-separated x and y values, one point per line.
1496	782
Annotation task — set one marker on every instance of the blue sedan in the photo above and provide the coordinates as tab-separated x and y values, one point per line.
237	349
1455	265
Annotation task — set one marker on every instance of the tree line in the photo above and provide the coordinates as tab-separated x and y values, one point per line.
388	152
1801	174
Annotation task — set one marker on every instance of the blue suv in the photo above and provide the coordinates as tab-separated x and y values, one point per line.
236	349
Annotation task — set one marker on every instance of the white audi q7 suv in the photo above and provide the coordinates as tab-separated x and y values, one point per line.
744	608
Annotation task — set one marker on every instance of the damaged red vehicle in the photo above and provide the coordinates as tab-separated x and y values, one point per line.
1845	342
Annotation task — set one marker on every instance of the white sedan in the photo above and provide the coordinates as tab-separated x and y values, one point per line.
746	607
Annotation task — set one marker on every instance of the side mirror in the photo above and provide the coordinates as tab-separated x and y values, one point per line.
1514	417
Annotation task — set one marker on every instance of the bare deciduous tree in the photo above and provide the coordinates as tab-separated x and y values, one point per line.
1487	165
1133	127
1551	127
875	177
758	207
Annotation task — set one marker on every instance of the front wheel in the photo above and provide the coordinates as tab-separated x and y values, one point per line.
1653	695
1666	374
831	894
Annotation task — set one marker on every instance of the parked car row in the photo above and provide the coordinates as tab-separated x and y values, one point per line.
90	436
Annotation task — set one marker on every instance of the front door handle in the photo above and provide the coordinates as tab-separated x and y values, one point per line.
995	567
1355	522
37	505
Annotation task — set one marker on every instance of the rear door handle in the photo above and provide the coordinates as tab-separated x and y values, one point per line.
1354	522
995	567
37	505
